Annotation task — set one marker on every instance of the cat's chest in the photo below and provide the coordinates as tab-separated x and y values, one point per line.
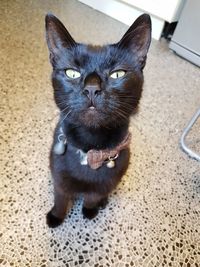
86	140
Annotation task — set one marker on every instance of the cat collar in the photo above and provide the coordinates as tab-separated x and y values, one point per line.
94	158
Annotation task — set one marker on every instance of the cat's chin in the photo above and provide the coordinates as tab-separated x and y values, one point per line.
91	118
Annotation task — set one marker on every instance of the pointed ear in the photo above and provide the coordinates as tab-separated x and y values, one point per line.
57	36
138	38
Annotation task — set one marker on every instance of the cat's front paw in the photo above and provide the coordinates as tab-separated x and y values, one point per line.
102	204
90	213
52	220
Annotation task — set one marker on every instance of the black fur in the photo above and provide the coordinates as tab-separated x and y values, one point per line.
115	100
52	220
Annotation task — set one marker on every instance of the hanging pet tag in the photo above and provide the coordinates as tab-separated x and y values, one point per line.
60	146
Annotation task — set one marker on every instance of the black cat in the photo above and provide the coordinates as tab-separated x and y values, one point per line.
97	89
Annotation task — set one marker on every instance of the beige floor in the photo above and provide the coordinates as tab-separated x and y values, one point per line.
153	218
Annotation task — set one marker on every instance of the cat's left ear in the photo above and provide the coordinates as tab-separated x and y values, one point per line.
138	38
57	36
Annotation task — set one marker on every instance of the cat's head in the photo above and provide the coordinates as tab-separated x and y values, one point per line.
98	86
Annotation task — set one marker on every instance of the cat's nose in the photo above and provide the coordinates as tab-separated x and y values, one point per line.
92	90
92	85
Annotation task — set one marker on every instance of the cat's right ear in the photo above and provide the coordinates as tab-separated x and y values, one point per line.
57	36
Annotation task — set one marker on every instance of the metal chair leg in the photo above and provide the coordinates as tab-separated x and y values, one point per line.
185	148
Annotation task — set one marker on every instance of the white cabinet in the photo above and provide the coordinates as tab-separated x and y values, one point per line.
166	10
186	38
127	11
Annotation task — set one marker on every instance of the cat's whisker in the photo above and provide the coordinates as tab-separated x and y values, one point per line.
117	115
140	115
127	98
66	107
61	102
124	107
122	97
65	117
121	114
129	107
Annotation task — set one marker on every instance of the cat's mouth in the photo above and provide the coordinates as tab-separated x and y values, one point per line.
92	110
92	107
91	116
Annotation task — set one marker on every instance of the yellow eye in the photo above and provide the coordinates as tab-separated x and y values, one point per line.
117	74
73	74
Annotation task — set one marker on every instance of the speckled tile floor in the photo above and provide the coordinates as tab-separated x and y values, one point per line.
153	218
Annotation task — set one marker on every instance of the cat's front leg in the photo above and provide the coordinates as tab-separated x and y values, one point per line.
92	203
61	204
